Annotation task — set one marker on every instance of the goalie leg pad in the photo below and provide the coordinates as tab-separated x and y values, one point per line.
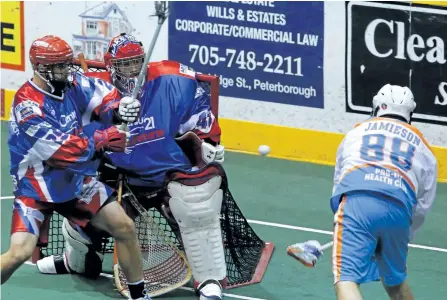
197	212
78	257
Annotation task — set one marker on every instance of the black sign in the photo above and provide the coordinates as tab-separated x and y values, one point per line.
400	44
6	36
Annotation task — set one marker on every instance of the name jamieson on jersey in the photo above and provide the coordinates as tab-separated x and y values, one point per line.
396	129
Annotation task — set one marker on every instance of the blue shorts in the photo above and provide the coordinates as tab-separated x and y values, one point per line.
371	237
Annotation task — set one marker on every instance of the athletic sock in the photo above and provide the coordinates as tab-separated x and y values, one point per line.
136	289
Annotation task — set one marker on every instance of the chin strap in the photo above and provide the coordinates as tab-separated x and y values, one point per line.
47	81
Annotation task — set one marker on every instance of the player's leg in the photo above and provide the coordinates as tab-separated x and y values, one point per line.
83	245
26	220
347	290
113	219
97	207
110	217
350	290
394	237
20	250
195	201
82	253
353	249
399	292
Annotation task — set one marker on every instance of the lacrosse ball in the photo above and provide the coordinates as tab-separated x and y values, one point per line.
264	150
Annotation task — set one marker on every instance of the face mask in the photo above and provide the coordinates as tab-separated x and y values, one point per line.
60	86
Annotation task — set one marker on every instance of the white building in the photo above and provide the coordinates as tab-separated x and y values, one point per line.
99	24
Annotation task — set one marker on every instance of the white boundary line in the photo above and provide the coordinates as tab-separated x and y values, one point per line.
278	225
181	288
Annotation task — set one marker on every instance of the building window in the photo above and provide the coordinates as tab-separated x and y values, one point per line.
91	50
91	27
115	26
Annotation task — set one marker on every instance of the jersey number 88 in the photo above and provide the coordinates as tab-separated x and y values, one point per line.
401	153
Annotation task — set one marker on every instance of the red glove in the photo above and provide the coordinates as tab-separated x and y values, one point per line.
110	139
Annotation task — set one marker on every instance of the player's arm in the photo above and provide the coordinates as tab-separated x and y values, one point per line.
56	148
101	101
427	195
201	121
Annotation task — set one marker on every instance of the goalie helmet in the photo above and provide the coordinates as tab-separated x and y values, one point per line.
124	60
394	100
51	58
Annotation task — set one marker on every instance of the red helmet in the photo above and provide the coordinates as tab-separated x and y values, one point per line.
51	58
124	59
50	50
123	46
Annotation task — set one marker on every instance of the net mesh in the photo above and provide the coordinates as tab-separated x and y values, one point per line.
243	247
164	264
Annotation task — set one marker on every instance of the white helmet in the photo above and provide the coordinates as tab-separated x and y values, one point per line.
394	100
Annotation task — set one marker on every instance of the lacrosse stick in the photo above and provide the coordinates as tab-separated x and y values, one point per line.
308	252
161	11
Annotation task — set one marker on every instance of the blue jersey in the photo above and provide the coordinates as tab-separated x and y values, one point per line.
172	103
50	154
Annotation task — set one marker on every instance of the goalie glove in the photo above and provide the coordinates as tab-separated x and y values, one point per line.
212	153
129	109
